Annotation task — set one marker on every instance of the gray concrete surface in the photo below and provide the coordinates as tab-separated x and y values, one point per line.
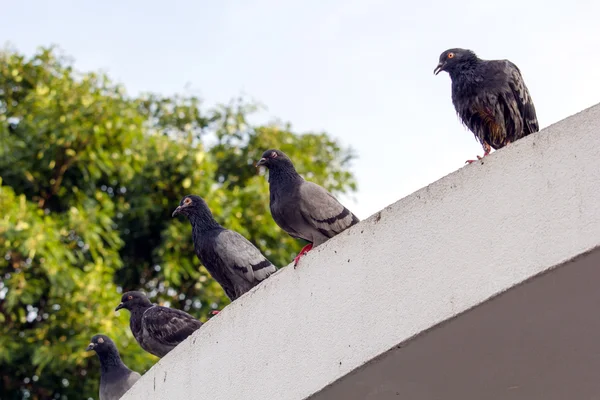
336	322
539	341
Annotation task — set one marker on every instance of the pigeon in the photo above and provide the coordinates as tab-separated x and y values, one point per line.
230	258
157	329
490	98
115	377
303	209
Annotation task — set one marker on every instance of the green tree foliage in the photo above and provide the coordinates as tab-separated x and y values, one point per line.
89	177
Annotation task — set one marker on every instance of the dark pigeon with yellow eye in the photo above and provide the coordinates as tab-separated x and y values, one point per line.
235	263
157	329
490	98
303	209
115	377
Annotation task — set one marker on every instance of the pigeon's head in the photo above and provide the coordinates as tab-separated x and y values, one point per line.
455	59
101	344
132	300
274	158
189	204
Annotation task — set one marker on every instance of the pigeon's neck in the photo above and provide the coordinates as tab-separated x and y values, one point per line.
109	361
283	175
203	221
466	70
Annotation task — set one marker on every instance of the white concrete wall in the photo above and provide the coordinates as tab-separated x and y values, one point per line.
434	254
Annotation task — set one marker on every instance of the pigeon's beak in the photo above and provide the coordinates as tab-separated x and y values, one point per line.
439	68
262	161
91	346
121	305
176	212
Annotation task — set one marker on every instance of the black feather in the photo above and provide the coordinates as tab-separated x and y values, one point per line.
490	98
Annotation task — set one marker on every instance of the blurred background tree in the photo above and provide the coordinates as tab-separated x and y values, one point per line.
89	177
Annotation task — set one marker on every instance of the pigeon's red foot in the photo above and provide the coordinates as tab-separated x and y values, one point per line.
304	250
487	153
215	312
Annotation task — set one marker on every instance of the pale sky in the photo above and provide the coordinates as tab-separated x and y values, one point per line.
361	70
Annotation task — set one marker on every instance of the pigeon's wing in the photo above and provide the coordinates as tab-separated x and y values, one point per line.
242	257
205	250
323	211
169	326
523	103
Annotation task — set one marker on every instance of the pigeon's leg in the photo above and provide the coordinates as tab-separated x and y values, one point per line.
215	312
486	152
486	149
304	250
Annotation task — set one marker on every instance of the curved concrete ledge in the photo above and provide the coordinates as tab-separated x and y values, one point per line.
360	317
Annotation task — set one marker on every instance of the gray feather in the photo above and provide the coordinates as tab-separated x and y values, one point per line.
241	257
115	377
235	263
115	388
323	212
303	209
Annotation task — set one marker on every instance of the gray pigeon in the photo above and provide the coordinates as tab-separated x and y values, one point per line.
115	377
157	329
490	97
230	258
303	209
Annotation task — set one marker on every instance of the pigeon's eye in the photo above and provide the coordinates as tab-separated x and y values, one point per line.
100	340
187	201
273	155
129	297
450	55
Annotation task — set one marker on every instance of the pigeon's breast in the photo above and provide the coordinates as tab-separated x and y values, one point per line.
465	89
286	213
113	387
